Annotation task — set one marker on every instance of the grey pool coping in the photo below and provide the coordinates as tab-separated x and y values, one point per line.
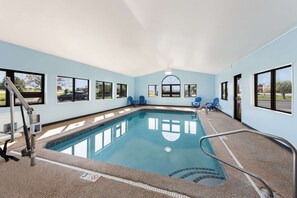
235	186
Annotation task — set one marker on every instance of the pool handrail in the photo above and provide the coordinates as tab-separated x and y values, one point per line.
289	144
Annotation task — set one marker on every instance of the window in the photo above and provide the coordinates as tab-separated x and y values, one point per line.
30	85
152	90
103	90
273	89
2	88
190	90
66	86
224	90
283	89
264	90
171	86
121	90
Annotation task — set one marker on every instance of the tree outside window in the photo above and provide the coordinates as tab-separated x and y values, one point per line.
190	90
273	89
2	88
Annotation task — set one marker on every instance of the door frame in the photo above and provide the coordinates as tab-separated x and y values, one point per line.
235	96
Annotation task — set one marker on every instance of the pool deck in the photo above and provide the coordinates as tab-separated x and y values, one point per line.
58	175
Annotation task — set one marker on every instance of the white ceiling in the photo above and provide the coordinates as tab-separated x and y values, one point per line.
137	37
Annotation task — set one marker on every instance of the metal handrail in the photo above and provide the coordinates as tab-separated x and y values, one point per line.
292	147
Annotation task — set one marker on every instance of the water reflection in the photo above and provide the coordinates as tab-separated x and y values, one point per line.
97	142
190	127
153	123
171	129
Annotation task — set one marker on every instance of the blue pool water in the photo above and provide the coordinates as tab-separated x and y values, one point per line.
165	143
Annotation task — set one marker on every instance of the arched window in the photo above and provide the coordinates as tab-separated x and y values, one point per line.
171	86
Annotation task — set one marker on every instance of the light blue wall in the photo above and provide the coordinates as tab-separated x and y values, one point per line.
23	59
205	87
277	53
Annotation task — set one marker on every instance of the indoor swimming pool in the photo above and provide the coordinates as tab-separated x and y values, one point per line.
159	142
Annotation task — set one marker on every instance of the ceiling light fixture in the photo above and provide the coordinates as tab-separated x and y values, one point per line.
168	71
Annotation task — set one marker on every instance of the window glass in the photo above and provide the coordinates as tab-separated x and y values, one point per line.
190	90
35	100
81	89
283	89
224	90
121	90
171	86
108	90
27	82
264	90
273	89
124	90
30	85
118	90
64	89
152	90
2	88
99	90
170	80
175	91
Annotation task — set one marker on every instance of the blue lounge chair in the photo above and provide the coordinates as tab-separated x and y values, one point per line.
131	101
142	100
197	102
213	105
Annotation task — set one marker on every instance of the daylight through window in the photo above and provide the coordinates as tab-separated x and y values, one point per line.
273	89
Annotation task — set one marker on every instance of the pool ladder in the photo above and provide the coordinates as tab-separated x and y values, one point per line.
289	144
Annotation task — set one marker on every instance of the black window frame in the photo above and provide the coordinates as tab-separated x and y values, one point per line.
11	73
103	90
189	87
156	90
122	94
73	89
171	93
272	89
224	92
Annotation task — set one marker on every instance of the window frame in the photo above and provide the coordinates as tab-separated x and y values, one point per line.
226	90
73	89
121	95
171	93
272	89
189	87
156	90
5	101
103	90
11	73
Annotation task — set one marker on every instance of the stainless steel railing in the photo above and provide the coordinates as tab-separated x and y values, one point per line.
292	147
